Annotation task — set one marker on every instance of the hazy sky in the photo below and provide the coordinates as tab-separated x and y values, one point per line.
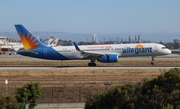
92	16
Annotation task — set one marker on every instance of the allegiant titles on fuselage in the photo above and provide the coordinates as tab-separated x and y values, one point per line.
137	50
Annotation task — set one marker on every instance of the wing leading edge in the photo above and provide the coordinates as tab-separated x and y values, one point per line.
88	53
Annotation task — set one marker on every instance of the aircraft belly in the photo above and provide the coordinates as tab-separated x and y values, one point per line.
140	54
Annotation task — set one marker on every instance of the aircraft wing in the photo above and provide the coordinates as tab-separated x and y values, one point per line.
87	54
91	53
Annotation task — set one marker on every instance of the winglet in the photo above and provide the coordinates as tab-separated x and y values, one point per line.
77	48
28	40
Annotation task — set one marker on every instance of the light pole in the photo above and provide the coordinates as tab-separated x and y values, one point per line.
6	83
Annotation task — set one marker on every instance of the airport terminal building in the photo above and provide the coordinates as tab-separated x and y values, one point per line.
8	46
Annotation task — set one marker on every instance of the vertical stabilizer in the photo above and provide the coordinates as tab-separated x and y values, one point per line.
54	42
28	40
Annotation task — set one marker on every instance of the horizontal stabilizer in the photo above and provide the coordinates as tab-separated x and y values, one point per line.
27	52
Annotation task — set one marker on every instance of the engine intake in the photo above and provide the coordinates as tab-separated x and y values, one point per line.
108	58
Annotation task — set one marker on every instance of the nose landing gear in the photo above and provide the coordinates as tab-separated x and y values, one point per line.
152	61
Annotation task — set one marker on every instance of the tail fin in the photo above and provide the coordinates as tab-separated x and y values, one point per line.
45	42
54	42
28	40
50	40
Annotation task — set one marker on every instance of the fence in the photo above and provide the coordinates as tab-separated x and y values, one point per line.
67	93
59	106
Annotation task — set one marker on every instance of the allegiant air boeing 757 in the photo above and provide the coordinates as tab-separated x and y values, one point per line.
104	53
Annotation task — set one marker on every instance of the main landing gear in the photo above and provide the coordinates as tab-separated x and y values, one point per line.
152	61
92	63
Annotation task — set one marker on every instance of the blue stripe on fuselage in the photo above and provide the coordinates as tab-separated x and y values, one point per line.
43	53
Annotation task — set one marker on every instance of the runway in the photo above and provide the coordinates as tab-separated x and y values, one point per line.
28	63
85	67
24	58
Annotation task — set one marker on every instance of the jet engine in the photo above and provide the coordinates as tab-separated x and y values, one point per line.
108	58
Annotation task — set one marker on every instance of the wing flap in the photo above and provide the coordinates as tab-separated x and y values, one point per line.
87	54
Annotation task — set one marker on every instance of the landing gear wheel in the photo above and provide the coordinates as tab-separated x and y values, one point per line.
94	64
152	61
91	64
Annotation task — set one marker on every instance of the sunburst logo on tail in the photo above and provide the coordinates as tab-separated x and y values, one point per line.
29	41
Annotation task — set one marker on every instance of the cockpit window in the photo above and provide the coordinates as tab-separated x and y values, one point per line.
164	48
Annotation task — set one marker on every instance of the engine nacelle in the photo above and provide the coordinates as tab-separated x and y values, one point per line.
108	58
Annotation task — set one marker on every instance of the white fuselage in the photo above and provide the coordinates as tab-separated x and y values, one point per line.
122	50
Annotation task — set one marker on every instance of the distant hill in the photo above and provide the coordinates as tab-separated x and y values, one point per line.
153	37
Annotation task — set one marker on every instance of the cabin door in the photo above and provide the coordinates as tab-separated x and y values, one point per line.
155	49
73	51
45	52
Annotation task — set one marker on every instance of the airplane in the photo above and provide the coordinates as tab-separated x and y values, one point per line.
107	53
51	41
54	42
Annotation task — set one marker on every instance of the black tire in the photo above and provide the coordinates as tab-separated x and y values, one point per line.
91	64
94	64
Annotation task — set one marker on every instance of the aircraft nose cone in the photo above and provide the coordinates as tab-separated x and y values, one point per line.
169	51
